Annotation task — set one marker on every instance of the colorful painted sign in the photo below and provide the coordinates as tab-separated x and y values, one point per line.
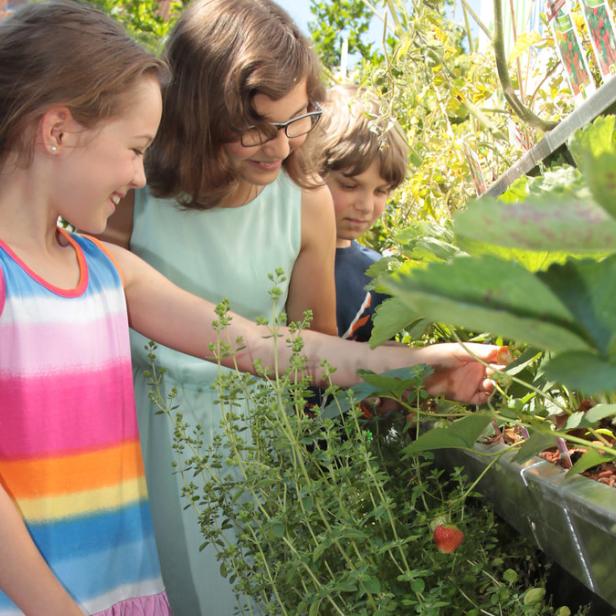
601	31
570	49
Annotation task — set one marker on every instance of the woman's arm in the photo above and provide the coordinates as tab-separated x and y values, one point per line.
120	223
312	284
24	575
165	313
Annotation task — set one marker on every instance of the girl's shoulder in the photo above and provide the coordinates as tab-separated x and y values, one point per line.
101	263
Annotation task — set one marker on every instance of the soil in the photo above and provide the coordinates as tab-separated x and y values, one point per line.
603	473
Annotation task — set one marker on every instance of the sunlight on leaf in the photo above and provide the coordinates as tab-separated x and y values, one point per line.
487	294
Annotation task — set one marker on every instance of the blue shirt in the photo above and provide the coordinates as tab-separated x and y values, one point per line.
355	305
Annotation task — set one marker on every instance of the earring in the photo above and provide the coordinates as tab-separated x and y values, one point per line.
54	149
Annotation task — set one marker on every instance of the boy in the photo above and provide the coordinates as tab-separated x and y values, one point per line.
361	164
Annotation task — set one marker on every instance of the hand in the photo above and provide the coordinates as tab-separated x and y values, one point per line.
458	375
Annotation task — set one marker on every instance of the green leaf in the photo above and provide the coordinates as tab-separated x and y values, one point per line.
276	527
393	382
537	442
379	267
593	140
427	241
461	434
314	609
597	413
372	585
583	371
418	586
517	191
565	179
594	151
390	317
561	223
523	361
574	420
510	576
533	596
591	458
487	294
587	288
533	261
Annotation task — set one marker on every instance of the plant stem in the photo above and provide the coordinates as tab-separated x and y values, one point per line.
311	575
518	107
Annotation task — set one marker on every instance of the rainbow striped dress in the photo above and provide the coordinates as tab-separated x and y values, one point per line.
69	444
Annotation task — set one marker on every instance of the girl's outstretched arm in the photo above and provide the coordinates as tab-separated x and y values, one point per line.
312	285
163	312
24	574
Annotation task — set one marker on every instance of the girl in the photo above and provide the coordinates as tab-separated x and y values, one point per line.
229	200
75	528
227	203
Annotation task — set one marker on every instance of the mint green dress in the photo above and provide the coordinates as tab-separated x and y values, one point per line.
218	253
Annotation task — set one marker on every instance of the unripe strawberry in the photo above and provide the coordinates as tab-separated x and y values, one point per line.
447	538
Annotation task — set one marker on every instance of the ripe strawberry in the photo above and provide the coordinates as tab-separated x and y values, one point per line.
447	538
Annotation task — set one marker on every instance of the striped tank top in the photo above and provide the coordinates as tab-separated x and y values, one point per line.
69	445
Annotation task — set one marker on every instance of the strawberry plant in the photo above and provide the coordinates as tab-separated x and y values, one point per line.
538	268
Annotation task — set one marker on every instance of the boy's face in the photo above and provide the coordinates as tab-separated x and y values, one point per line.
359	200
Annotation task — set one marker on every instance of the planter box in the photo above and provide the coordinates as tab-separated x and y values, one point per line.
572	520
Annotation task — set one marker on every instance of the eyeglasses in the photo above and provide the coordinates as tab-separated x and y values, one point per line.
295	127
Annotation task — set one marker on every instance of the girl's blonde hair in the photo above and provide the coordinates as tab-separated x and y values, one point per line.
222	53
351	136
62	52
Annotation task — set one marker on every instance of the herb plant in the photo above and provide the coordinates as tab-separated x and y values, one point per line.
320	512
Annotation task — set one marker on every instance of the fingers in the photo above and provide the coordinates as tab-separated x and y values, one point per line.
482	394
460	372
487	385
467	383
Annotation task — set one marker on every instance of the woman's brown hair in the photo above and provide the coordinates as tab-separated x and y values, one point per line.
351	136
63	52
221	53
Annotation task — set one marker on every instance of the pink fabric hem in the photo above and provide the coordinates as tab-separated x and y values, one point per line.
154	605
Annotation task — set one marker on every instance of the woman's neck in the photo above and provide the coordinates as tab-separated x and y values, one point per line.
241	194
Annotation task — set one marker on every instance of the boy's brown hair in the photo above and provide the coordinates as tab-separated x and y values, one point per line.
222	53
350	137
63	52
